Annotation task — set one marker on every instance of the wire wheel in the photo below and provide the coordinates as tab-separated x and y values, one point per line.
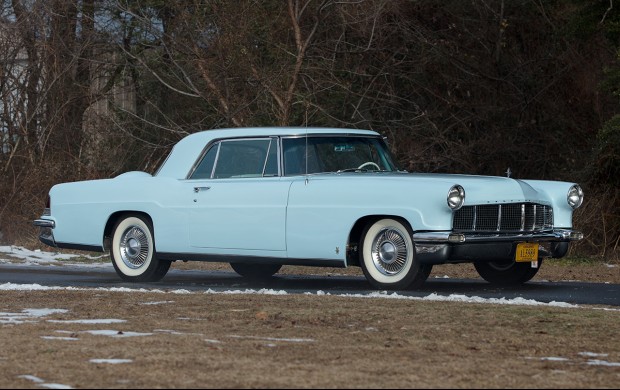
387	256
389	252
133	250
134	247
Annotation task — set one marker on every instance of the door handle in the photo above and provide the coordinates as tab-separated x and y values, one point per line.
198	189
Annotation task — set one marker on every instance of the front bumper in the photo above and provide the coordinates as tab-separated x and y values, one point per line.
459	247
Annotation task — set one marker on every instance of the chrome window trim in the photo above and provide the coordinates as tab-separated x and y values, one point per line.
217	156
334	135
206	149
266	157
281	148
273	142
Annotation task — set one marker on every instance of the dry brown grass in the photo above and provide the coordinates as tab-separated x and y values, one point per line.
232	341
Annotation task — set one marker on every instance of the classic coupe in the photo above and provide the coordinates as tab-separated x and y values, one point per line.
260	198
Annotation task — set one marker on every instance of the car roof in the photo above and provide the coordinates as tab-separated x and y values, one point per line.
186	151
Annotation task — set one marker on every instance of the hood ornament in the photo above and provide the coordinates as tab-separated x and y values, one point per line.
508	173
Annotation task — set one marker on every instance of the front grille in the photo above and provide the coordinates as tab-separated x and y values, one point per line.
510	217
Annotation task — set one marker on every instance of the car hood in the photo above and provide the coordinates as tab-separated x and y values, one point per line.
478	189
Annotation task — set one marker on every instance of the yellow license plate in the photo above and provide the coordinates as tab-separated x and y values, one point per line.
526	252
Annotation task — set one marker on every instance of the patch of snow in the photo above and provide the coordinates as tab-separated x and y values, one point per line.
32	378
39	257
156	303
554	359
610	265
89	322
181	291
213	341
596	362
28	315
41	383
110	361
263	291
174	332
593	354
26	287
59	338
36	256
378	294
55	386
293	340
43	312
115	333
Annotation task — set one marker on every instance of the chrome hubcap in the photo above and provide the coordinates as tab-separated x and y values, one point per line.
389	252
134	247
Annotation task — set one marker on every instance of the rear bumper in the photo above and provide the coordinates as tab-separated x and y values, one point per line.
451	247
46	236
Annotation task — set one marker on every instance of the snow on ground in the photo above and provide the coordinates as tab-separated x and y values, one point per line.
39	257
90	321
589	362
110	361
378	294
28	315
41	383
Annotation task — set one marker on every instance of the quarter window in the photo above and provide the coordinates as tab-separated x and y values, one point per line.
205	168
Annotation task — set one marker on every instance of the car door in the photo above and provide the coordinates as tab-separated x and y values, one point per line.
238	198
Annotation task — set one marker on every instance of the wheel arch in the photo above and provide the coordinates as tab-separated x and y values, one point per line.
115	217
355	234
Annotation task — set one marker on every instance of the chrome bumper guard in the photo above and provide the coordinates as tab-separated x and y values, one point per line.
46	235
44	223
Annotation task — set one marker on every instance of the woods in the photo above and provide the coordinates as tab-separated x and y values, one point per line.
94	88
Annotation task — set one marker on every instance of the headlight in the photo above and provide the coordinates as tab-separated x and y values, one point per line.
456	197
575	196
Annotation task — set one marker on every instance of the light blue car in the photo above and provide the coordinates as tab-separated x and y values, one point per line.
259	198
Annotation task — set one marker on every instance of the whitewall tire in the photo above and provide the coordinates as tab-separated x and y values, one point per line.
388	258
133	250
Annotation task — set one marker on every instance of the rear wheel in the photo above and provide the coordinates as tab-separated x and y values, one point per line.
256	271
133	250
506	273
388	256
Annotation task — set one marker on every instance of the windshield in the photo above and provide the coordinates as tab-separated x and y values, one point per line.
335	154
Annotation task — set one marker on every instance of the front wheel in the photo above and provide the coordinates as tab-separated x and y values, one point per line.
506	273
133	250
388	256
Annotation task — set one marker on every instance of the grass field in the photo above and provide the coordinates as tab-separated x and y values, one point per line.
105	339
100	338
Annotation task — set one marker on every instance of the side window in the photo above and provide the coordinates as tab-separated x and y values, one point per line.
205	168
242	158
294	150
301	156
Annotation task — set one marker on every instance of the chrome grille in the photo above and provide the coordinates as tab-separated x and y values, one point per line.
510	217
